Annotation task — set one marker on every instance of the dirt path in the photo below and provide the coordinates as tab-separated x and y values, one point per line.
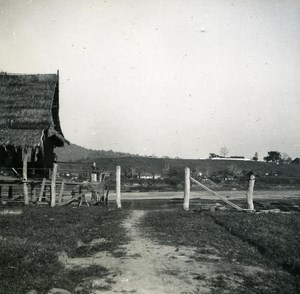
149	267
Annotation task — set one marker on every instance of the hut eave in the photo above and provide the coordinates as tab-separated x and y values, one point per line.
20	138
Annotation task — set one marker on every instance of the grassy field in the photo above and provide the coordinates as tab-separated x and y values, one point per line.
31	242
268	241
259	251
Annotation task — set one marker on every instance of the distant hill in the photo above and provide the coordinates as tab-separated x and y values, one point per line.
74	153
78	158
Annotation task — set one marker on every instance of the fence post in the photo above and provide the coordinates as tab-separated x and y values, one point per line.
25	187
53	182
187	187
94	173
250	192
118	186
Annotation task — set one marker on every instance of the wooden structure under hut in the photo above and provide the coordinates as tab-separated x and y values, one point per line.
29	127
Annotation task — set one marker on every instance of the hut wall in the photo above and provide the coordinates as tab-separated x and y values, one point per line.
9	157
2	156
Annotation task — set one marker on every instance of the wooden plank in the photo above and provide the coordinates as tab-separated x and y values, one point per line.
42	189
73	199
215	193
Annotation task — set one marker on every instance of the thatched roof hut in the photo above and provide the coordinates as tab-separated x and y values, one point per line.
29	120
29	110
29	128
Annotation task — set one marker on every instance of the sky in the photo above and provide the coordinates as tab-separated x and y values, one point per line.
165	78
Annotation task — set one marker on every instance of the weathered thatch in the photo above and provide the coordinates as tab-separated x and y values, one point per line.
29	110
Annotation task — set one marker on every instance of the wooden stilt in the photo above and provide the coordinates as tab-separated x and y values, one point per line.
33	192
25	186
53	184
42	189
61	191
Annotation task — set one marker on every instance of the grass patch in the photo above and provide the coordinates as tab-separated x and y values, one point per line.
275	235
188	229
30	244
211	234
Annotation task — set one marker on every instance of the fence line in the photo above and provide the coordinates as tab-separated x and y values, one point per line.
40	186
189	179
217	194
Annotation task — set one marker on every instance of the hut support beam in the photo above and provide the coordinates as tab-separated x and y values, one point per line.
42	189
25	186
53	184
61	191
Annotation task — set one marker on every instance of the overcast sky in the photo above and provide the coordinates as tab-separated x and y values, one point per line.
176	78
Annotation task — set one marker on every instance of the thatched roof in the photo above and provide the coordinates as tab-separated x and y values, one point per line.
29	109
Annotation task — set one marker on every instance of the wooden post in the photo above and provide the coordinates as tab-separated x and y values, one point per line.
33	193
42	189
250	193
25	187
118	186
94	173
61	191
53	182
187	188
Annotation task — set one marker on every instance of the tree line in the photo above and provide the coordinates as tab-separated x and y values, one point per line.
273	156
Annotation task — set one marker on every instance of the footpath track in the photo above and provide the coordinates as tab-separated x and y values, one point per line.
148	267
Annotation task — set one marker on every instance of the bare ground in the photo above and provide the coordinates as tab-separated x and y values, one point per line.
147	267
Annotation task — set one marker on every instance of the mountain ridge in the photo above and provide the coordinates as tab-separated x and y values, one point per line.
74	153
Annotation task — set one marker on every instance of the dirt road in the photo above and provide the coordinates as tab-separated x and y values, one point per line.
148	267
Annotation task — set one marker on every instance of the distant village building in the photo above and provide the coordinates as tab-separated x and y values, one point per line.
157	176
146	176
29	122
152	176
230	158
